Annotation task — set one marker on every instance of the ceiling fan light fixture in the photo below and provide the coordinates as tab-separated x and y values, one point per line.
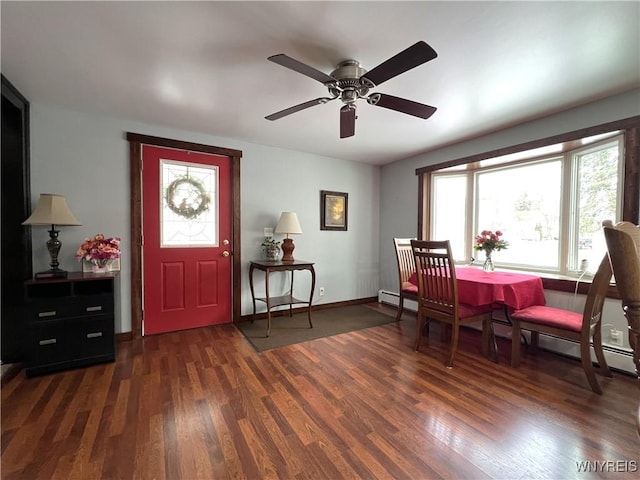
349	96
349	69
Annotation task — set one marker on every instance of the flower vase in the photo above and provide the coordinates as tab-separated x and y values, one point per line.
488	263
100	268
272	254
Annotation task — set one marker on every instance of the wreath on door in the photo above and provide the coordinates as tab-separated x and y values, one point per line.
187	197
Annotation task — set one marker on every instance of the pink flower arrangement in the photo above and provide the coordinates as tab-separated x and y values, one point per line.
99	250
489	241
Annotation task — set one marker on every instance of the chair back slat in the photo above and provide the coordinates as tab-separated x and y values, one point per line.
406	268
630	229
596	296
404	256
624	256
436	276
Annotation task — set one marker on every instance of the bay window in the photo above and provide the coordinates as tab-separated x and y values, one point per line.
549	203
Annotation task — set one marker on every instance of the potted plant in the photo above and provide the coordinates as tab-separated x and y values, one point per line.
271	248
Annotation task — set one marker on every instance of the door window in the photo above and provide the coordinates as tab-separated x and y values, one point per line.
189	204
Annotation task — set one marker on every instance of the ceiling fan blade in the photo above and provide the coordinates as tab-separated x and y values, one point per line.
296	66
401	105
415	55
297	108
347	121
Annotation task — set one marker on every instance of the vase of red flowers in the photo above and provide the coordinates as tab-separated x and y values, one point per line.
99	251
489	241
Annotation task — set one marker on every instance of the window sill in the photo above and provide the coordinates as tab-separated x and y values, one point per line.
565	283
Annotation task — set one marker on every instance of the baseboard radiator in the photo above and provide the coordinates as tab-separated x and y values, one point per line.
393	298
617	358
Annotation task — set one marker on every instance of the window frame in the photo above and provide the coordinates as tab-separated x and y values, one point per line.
567	160
630	127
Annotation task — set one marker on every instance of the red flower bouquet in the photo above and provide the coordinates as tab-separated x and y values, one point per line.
489	241
99	250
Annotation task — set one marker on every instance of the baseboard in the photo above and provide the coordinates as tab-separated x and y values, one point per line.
8	371
124	337
321	306
617	358
393	298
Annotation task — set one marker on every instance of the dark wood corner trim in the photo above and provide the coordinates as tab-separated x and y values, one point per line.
124	337
626	124
169	143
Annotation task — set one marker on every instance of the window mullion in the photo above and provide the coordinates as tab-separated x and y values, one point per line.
568	209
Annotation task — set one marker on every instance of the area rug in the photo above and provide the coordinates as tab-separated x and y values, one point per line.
287	330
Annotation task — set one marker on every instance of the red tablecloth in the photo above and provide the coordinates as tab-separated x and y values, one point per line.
516	290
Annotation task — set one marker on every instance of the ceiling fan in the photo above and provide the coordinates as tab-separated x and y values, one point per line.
350	82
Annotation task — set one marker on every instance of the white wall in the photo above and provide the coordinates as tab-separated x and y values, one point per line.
86	158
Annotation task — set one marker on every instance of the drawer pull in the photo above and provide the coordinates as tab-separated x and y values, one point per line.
97	308
52	313
94	335
48	341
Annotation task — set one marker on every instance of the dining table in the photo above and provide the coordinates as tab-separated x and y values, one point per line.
513	290
503	289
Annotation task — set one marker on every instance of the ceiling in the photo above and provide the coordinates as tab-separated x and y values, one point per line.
202	66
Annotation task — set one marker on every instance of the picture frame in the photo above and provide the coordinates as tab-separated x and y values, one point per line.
334	210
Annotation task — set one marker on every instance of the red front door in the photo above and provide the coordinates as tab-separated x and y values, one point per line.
186	239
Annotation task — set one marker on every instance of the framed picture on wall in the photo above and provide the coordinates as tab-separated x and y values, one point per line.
333	210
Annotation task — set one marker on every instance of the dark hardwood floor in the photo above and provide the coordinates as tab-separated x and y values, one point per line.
202	404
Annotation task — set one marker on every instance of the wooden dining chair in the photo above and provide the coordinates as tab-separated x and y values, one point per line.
583	328
623	245
438	293
406	268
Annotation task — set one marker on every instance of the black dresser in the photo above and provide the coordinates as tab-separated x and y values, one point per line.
69	322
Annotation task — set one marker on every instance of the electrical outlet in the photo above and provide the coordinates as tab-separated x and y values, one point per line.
321	291
616	337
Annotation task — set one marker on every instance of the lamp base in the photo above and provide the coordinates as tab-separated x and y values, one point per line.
287	250
51	274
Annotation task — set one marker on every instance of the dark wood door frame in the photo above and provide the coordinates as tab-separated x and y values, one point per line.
135	170
16	206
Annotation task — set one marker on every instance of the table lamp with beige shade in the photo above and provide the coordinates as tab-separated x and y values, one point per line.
288	224
52	210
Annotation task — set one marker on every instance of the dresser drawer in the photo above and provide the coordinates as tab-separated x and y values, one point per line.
70	307
50	342
49	310
94	304
95	337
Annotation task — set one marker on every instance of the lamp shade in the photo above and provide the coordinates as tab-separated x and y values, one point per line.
51	209
288	224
